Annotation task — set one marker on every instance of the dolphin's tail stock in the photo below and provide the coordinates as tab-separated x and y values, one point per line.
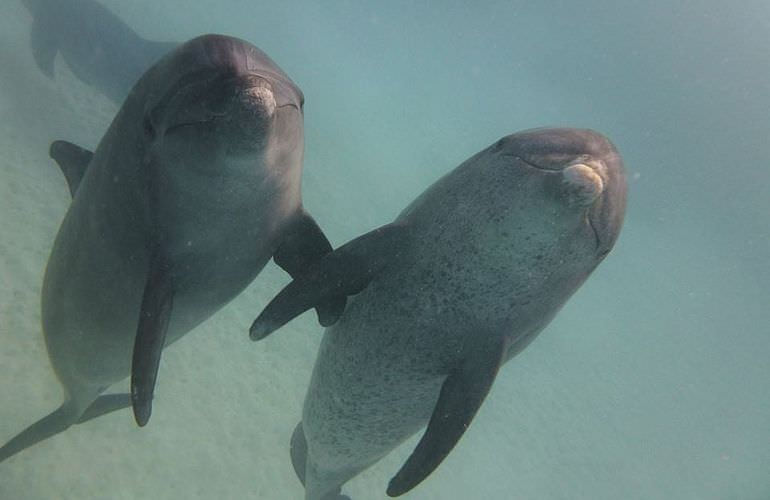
60	420
316	488
312	492
334	494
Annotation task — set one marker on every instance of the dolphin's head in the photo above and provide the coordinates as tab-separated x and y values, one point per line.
582	178
217	97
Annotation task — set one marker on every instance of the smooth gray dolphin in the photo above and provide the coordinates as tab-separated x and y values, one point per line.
461	282
194	187
100	49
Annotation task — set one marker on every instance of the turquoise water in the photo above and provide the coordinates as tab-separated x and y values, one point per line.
651	383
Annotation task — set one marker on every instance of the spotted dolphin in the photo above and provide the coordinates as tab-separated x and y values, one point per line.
458	284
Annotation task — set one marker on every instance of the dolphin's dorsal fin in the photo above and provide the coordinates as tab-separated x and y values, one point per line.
44	47
73	161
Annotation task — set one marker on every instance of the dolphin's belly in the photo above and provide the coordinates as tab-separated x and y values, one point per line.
217	254
97	272
380	369
209	281
377	376
92	292
358	409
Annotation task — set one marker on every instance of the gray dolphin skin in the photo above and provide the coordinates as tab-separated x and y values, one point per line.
100	49
194	187
458	284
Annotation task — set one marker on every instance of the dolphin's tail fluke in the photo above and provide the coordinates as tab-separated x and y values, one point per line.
60	420
44	428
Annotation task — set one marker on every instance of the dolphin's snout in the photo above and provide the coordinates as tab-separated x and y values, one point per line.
256	96
583	182
240	92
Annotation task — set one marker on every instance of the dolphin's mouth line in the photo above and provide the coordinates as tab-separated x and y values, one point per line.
174	128
590	221
214	118
533	165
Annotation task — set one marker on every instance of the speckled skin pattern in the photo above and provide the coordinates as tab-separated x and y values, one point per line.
496	247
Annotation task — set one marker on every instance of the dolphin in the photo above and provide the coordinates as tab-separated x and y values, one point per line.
193	188
457	285
100	49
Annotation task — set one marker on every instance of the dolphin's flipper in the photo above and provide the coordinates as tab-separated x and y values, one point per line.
73	161
44	47
304	245
345	271
50	425
104	405
157	303
461	396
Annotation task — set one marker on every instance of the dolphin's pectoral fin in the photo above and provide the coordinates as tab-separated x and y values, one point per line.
461	396
305	245
157	303
345	271
43	46
104	405
73	161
